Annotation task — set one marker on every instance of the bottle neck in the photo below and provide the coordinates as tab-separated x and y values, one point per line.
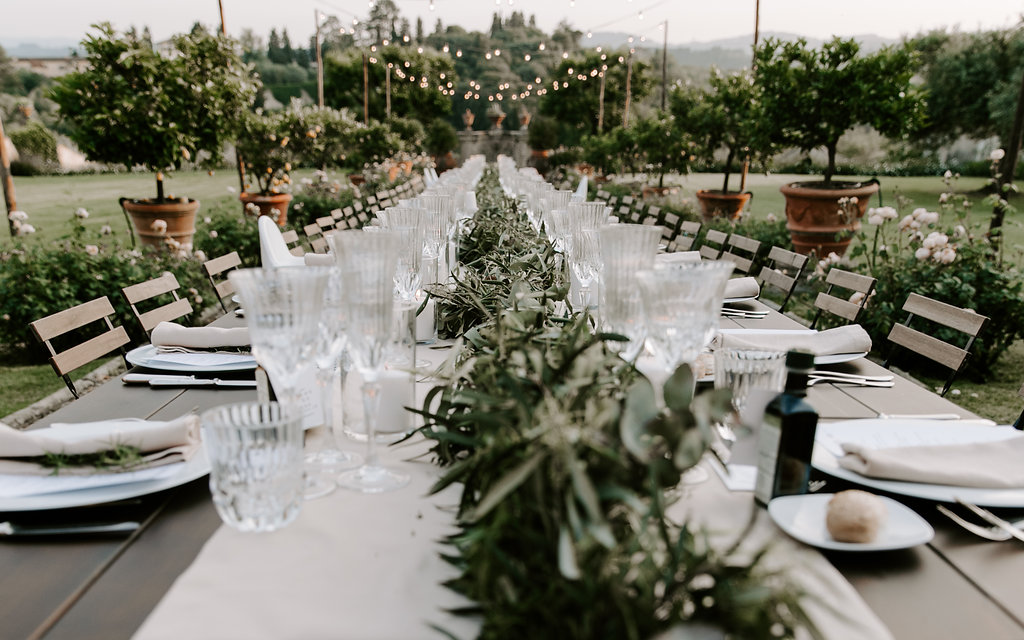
796	382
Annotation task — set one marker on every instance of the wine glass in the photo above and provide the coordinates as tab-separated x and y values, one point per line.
329	459
283	308
368	262
626	249
585	260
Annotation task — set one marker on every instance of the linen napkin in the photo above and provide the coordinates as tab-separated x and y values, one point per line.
742	287
159	442
171	336
677	257
987	465
318	259
849	339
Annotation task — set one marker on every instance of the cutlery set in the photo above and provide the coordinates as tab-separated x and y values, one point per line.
11	529
837	377
162	380
733	312
1000	531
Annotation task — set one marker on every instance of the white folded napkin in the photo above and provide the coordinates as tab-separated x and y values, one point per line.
678	257
741	287
159	442
172	336
989	465
849	339
318	260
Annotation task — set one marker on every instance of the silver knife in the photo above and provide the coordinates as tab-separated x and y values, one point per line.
111	528
993	519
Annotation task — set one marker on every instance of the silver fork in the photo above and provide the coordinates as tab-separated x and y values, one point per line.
853	376
996	534
854	381
993	519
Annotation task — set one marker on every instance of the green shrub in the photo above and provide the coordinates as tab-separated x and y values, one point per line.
227	229
35	142
441	138
37	280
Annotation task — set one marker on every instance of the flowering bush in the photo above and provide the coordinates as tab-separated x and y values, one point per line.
225	230
37	280
264	146
942	255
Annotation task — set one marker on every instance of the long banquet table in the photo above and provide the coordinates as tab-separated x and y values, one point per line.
957	586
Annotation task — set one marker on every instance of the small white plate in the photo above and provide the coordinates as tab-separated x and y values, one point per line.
803	517
237	299
145	355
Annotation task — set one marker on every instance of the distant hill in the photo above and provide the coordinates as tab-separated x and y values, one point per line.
724	53
41	48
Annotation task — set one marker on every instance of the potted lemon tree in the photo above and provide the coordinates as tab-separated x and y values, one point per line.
136	107
810	98
267	145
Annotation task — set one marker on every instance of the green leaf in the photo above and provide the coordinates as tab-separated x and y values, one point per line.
567	564
638	411
506	485
679	389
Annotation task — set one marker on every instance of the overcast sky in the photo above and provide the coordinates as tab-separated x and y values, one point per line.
688	20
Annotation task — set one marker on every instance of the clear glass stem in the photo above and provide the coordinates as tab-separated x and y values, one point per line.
371	410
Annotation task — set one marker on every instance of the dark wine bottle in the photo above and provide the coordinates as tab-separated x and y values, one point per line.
787	435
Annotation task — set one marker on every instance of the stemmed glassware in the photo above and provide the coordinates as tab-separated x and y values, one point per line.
329	459
585	260
368	262
626	249
283	309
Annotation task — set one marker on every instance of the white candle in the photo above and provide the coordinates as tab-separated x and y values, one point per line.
397	391
425	323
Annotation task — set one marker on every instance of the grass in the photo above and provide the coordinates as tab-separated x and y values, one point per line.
50	202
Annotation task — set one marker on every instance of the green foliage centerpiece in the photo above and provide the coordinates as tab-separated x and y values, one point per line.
565	461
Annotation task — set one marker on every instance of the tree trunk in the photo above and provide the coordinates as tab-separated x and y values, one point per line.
830	170
7	181
159	186
728	167
1008	166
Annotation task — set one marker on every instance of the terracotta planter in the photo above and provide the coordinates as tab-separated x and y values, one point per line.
275	206
179	218
496	119
814	217
357	179
715	203
406	166
393	173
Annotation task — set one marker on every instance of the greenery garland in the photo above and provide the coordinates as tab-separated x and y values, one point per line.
565	460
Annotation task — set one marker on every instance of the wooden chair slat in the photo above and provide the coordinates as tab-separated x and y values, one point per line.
146	290
948	355
220	264
166	313
837	306
84	353
954	317
78	316
319	245
850	280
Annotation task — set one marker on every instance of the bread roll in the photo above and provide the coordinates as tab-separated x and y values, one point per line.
855	516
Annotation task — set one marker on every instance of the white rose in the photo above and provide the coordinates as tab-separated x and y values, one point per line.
959	231
906	222
875	219
948	174
81	213
996	155
947	255
922	253
160	226
92	249
17	216
26	229
857	297
106	230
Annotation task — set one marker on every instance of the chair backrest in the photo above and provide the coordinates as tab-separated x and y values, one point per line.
714	244
603	195
216	270
293	242
338	215
741	251
687	234
273	248
948	355
846	309
77	317
315	236
149	290
326	223
783	272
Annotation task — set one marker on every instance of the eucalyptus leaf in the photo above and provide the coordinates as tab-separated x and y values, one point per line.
679	389
639	409
567	564
506	485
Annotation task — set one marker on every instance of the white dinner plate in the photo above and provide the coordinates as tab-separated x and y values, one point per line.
196	467
836	358
830	434
145	355
803	518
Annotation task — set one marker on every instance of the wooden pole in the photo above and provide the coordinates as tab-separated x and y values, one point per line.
366	92
239	162
223	29
753	68
600	101
7	180
664	65
387	93
319	63
629	91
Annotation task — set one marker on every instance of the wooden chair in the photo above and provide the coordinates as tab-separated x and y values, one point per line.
828	302
652	215
948	355
294	243
603	195
147	292
742	252
338	215
216	271
714	244
687	235
315	237
783	272
59	324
